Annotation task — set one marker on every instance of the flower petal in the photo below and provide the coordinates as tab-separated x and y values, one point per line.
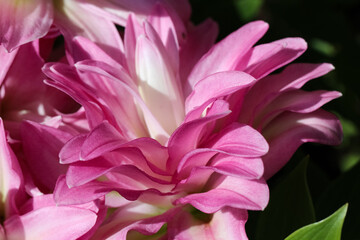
267	89
268	57
24	21
293	129
45	222
216	86
41	146
230	50
227	223
232	192
11	178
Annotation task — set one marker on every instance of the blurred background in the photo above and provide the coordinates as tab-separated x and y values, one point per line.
319	179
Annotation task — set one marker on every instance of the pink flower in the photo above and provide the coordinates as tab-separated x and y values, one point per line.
168	126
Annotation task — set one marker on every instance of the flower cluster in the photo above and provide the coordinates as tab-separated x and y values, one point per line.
149	129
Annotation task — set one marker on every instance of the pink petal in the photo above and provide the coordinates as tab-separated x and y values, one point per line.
41	146
294	101
158	84
11	177
66	79
227	223
132	31
220	162
126	101
160	20
199	40
238	167
232	192
141	217
73	20
216	86
23	83
103	138
45	222
84	49
293	129
24	21
265	90
6	60
2	233
241	140
271	56
229	51
187	138
71	151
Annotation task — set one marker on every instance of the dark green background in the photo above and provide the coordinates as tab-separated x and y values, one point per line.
330	176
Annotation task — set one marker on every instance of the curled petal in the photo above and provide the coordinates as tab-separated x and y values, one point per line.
294	101
267	89
293	129
241	140
229	191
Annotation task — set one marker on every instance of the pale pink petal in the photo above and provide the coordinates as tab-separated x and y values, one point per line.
125	101
73	20
132	31
229	191
158	86
230	51
41	145
51	223
293	129
119	11
141	217
166	31
216	86
271	56
227	223
24	21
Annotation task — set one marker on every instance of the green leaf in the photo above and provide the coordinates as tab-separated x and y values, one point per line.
248	9
327	229
290	206
345	188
